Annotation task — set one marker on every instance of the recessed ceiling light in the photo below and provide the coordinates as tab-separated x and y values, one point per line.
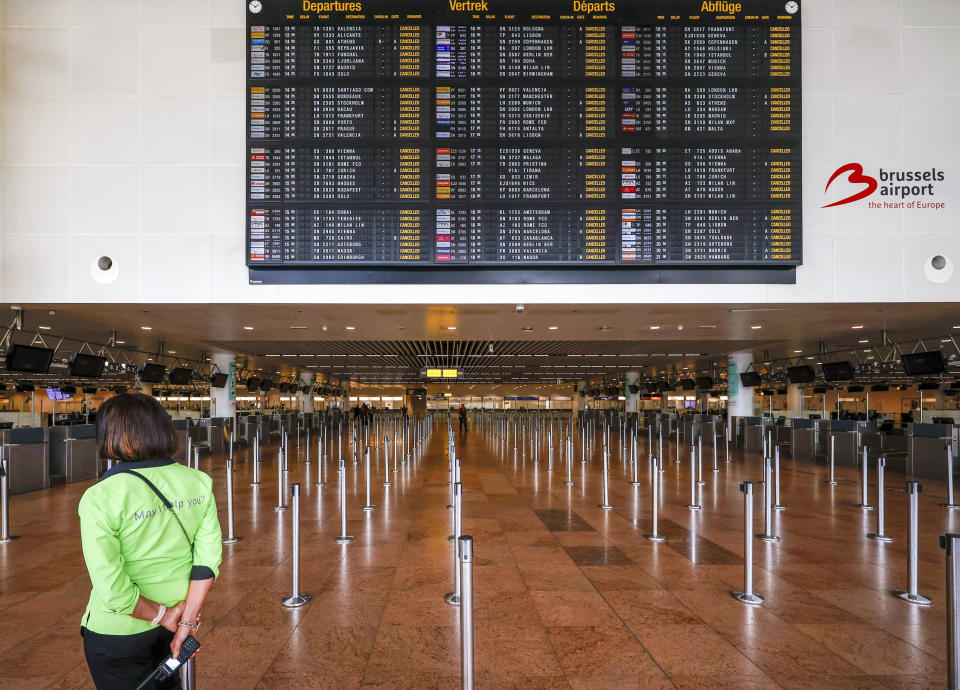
654	328
172	352
44	328
146	328
528	328
797	352
351	328
856	328
553	328
864	341
451	328
248	328
756	328
298	328
706	326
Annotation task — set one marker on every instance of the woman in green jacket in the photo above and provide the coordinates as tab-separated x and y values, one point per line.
151	542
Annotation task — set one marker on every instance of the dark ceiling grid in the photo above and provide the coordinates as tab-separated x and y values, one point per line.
510	361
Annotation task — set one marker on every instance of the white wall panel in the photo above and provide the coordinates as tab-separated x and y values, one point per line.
868	270
35	61
176	129
105	129
36	199
35	12
36	267
105	61
175	201
105	13
35	130
105	200
180	263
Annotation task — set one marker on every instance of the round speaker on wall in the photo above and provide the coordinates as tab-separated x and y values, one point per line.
938	269
104	270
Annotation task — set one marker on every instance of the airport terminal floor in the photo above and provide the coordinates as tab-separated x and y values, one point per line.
566	594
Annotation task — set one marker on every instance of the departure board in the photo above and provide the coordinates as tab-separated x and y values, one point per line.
492	134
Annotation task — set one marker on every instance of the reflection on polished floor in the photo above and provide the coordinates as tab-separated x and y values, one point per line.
566	595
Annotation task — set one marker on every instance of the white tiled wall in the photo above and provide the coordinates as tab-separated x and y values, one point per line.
122	133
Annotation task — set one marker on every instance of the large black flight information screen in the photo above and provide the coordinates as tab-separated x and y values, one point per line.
533	134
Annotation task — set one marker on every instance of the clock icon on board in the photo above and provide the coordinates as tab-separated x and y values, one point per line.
256	6
793	7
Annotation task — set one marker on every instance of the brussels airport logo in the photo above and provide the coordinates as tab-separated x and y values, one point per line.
897	189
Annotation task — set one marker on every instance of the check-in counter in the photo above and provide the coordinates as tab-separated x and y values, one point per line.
248	425
843	435
73	454
803	440
210	435
927	450
753	432
28	458
182	428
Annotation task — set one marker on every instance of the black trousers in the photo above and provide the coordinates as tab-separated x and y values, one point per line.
122	662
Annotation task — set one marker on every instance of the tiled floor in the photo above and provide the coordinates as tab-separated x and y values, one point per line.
566	595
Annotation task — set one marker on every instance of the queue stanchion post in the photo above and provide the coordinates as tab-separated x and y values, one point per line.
196	458
951	542
747	595
911	595
950	504
231	537
655	504
321	461
256	461
606	481
368	506
700	481
768	534
296	598
832	481
307	447
466	611
5	536
188	674
694	504
188	454
879	535
636	467
569	481
453	598
776	479
281	495
344	538
715	467
864	503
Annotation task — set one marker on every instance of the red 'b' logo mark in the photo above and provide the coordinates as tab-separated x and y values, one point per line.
856	177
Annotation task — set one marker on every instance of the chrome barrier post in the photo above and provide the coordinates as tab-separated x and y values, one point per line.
196	459
655	503
281	496
256	460
296	598
5	536
879	535
386	462
188	455
768	534
368	506
307	447
466	611
188	674
231	537
776	479
833	448
342	471
864	503
636	467
715	468
453	598
700	481
911	596
569	481
606	481
747	595
951	542
321	459
951	504
693	504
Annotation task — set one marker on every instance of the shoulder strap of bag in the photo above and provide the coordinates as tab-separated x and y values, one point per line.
166	503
